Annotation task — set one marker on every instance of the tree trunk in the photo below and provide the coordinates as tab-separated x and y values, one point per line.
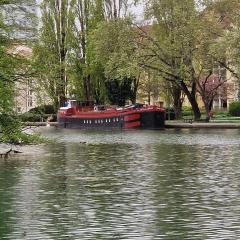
177	102
149	98
86	86
192	99
195	108
135	88
208	107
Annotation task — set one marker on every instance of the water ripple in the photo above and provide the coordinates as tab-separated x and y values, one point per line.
125	185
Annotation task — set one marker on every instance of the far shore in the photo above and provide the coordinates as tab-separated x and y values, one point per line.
199	125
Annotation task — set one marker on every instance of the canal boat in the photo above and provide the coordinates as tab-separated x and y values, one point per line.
85	114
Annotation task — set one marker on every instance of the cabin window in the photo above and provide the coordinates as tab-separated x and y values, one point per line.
101	121
95	121
106	120
90	121
117	119
113	119
84	121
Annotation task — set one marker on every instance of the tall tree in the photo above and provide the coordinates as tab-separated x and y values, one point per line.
217	50
115	8
116	49
51	52
226	50
87	15
171	49
210	87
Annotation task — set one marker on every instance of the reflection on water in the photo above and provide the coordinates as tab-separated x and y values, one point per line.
124	185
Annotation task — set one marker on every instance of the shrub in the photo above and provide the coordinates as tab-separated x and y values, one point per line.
12	132
32	117
170	114
234	109
43	109
186	108
187	111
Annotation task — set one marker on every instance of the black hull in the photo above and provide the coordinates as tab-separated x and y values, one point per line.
146	120
152	120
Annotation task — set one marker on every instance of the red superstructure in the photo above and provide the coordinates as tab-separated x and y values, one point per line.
87	115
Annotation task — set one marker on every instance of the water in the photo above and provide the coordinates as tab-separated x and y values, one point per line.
171	184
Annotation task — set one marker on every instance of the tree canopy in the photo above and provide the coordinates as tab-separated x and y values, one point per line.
94	50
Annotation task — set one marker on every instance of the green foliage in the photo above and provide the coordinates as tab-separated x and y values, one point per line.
119	92
43	109
187	113
11	131
219	115
115	47
50	54
170	114
186	108
36	117
234	109
12	69
170	47
31	117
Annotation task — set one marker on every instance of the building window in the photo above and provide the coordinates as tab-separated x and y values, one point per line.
30	102
219	71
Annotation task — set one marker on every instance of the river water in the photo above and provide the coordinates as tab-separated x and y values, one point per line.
170	184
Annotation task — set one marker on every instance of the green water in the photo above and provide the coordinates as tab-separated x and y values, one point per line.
167	184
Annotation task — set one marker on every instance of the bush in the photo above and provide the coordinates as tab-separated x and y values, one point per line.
221	114
11	131
186	108
170	114
44	109
32	117
234	109
187	111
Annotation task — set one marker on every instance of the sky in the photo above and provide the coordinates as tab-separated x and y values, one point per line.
138	11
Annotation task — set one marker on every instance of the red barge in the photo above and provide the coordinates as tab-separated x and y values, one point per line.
84	114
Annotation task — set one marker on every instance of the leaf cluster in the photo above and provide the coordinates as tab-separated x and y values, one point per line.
115	48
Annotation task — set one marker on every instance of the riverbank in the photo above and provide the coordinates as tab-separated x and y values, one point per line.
168	124
41	124
209	125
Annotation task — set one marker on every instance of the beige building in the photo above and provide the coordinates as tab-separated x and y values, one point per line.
227	93
25	96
